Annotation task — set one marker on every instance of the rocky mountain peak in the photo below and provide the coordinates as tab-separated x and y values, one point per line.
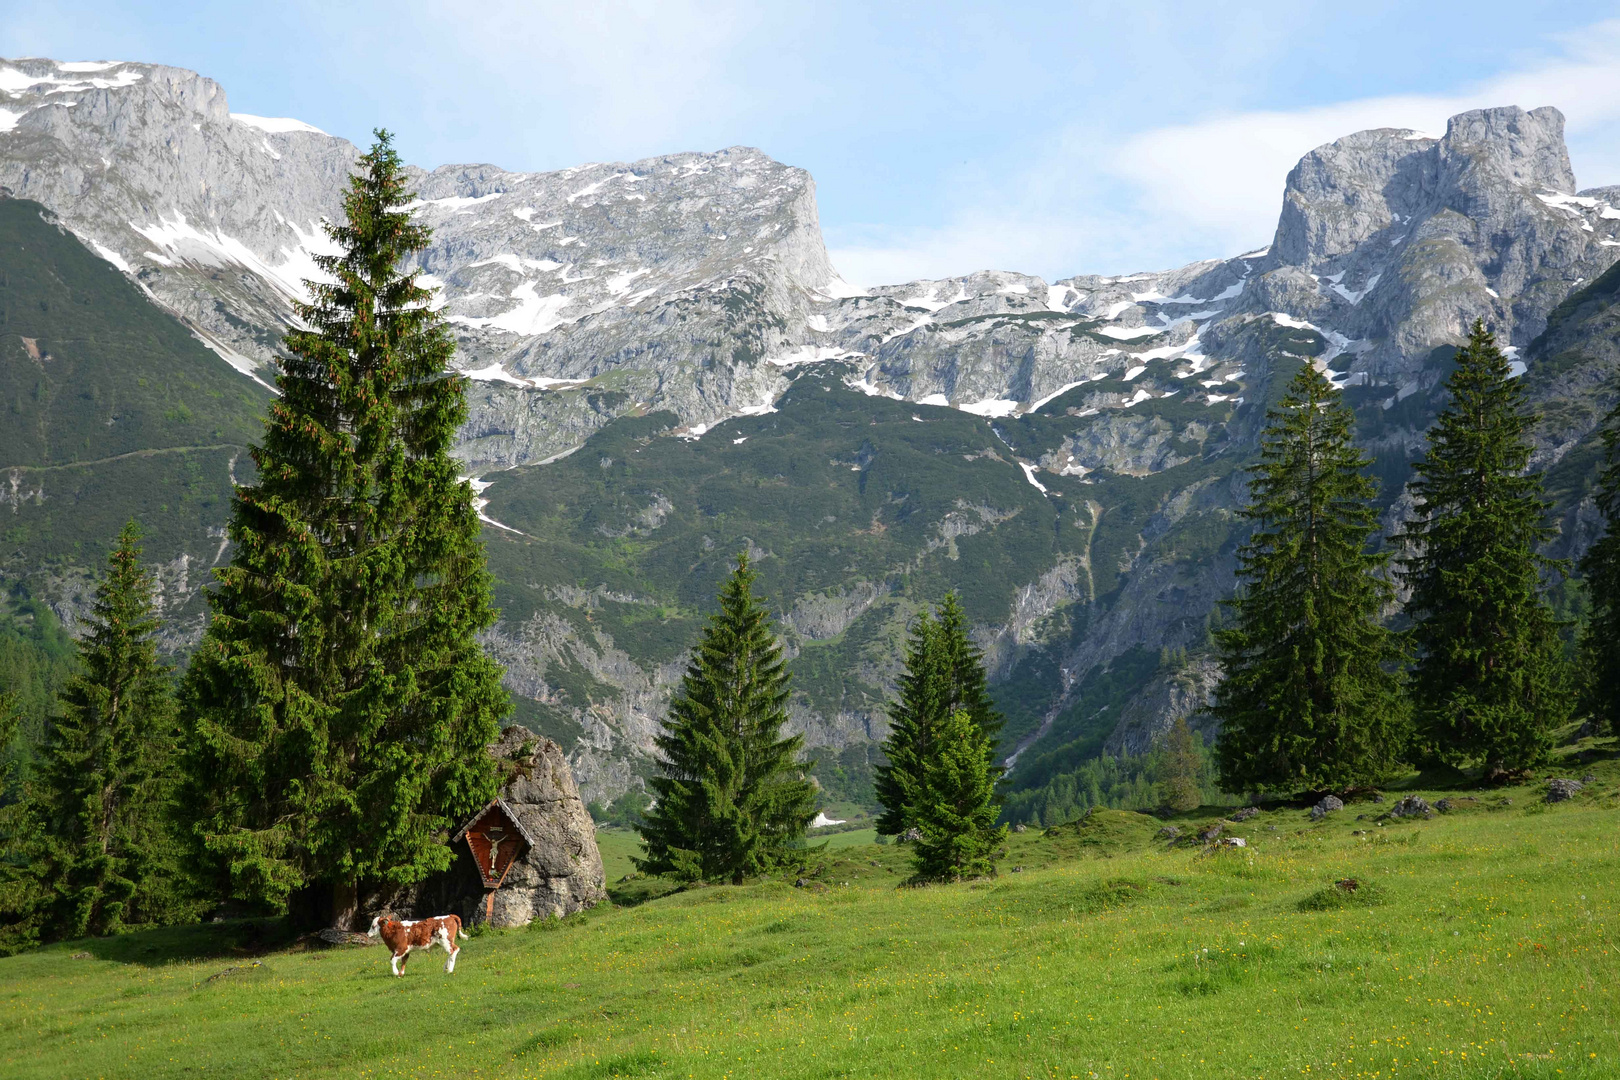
1514	146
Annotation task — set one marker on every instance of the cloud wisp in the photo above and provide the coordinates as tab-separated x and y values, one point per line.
1170	195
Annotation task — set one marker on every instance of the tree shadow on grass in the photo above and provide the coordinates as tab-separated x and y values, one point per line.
234	938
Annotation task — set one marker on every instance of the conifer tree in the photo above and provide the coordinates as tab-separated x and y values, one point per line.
913	717
95	834
732	799
341	704
944	672
1182	767
1600	640
1490	683
970	684
956	807
1309	698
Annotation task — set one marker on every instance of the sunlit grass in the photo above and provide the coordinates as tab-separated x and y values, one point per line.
1109	954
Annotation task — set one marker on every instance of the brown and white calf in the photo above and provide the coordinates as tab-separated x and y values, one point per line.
403	935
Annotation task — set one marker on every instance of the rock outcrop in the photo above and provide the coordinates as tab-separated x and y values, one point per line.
561	873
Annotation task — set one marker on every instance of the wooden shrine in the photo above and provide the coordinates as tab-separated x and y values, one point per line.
497	839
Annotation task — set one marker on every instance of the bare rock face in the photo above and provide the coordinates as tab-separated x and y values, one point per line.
562	872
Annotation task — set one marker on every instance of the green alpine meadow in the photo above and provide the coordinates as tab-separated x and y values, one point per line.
585	621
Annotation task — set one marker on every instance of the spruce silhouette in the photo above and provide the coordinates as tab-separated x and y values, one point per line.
1309	698
732	800
340	701
1491	683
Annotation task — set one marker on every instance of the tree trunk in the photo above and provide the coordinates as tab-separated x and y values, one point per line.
345	906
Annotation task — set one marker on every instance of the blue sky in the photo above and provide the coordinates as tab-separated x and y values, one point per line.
1051	138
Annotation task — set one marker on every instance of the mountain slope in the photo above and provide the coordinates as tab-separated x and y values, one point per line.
670	336
113	410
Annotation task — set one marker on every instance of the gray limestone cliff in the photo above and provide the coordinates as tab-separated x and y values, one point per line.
698	283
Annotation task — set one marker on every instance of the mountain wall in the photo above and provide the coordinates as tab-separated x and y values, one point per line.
667	370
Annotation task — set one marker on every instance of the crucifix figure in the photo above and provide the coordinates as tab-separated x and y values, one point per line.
495	834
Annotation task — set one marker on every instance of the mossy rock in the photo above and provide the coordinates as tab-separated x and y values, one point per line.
1349	893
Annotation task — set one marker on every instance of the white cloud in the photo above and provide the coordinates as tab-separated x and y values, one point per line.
1169	195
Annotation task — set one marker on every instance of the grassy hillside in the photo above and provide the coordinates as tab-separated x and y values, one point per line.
1478	944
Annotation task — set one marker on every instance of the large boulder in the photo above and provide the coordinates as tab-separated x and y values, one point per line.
561	873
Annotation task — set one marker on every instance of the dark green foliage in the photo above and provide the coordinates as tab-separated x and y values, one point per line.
93	833
1130	782
1309	698
340	702
10	768
914	718
1600	638
732	800
944	673
37	658
1491	683
1182	766
955	809
969	686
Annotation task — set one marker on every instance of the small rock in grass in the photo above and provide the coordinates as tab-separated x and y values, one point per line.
1560	789
1443	805
1020	827
1211	833
1348	884
1169	832
1245	814
81	956
1412	806
1328	804
1233	841
1018	869
1378	796
1589	778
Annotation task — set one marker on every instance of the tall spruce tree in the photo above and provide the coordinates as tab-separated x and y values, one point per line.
1600	639
956	806
732	800
1491	682
914	716
1310	698
944	672
340	702
98	851
969	682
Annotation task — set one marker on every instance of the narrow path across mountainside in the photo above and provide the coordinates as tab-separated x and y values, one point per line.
120	457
